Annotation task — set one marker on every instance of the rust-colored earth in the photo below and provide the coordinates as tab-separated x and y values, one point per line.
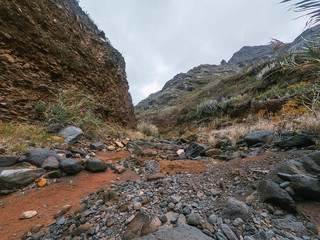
112	156
48	200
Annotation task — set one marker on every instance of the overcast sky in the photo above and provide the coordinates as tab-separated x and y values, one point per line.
161	38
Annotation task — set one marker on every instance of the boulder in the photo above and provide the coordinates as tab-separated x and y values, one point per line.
51	163
299	140
37	156
305	187
70	166
70	134
271	192
135	226
54	128
290	167
261	136
8	160
97	146
194	219
95	165
184	231
236	209
213	152
18	178
195	150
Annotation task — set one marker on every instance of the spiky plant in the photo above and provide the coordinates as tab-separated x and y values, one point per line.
312	7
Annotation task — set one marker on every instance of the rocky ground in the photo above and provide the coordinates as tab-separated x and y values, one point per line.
164	189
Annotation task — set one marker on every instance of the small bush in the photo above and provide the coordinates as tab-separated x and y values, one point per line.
148	129
213	108
72	107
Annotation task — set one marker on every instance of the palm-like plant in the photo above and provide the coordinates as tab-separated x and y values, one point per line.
312	7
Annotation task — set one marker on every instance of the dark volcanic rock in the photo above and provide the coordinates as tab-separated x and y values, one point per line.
70	166
8	160
37	156
261	136
290	167
195	150
299	140
236	209
50	163
272	193
17	178
54	128
184	231
305	187
95	165
97	146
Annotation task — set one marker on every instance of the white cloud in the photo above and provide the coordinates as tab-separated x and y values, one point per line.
161	38
151	88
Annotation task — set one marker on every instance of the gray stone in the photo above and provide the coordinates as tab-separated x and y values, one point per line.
54	128
290	167
17	178
194	219
8	160
70	134
221	236
311	227
290	223
305	187
97	146
236	209
299	140
37	156
70	166
184	231
50	163
272	193
95	165
228	232
175	199
212	219
213	152
195	150
261	136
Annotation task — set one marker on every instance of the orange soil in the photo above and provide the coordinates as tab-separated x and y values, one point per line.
48	200
113	156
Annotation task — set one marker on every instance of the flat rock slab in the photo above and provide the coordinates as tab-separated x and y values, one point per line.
299	140
261	136
18	178
184	231
8	160
195	150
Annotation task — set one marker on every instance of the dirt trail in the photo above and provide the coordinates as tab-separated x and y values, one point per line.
48	200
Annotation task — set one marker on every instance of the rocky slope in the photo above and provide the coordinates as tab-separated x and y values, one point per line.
49	46
250	72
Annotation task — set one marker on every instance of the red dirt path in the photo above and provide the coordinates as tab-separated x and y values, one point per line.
48	200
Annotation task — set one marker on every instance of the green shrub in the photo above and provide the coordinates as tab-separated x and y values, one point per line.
147	129
72	107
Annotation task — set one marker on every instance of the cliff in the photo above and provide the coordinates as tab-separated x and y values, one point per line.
47	46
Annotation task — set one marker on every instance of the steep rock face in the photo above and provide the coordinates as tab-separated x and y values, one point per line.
183	83
243	78
48	46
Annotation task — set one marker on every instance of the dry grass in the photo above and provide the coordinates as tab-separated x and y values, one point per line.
15	137
301	124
